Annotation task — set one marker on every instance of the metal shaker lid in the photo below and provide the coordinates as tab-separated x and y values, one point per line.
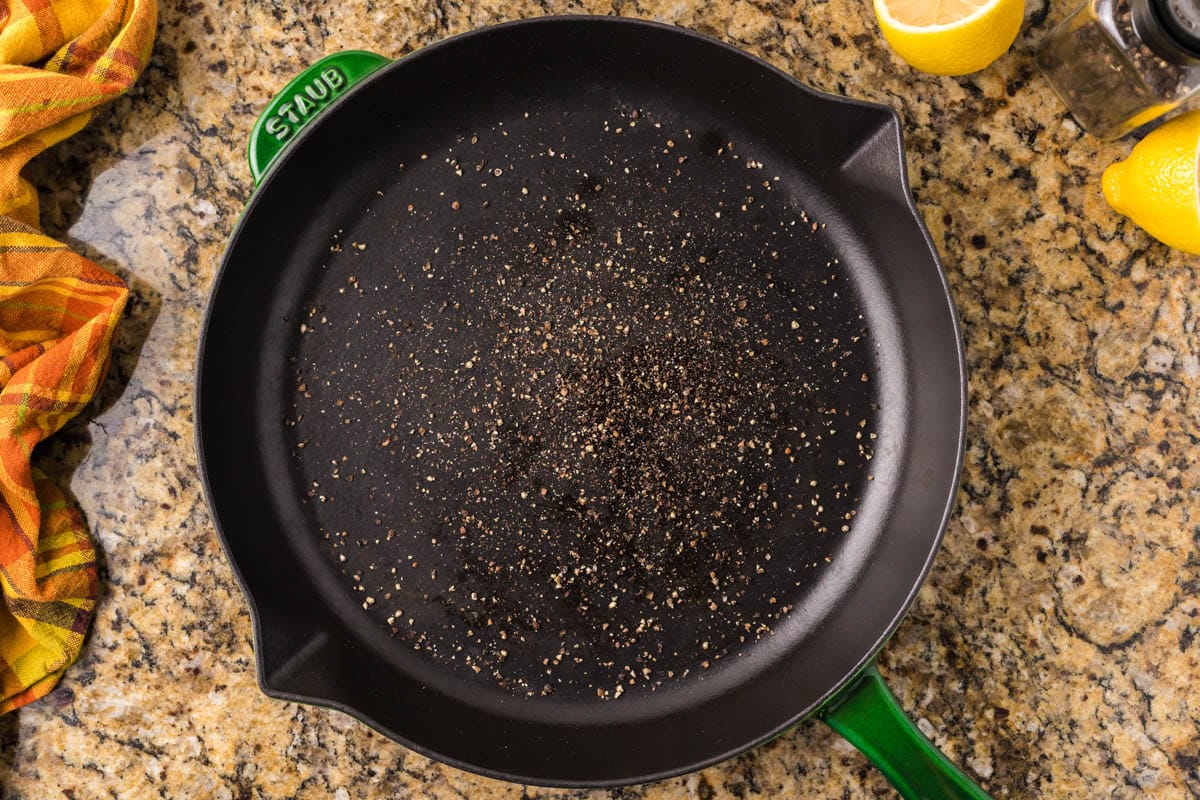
1171	28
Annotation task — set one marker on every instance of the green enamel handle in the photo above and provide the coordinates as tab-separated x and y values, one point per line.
302	101
868	716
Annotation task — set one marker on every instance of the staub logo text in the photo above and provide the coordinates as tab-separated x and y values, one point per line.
306	100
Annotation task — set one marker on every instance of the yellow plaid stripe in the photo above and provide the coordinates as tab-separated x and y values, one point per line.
51	566
45	105
58	312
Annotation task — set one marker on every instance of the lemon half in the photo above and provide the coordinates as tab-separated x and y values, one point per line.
1158	185
950	37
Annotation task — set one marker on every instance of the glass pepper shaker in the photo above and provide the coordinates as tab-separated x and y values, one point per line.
1120	63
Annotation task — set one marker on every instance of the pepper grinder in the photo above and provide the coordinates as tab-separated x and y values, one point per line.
1118	64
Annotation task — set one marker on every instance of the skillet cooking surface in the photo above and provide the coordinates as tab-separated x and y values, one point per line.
592	415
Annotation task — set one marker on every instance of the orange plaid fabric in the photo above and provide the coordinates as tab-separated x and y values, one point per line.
59	60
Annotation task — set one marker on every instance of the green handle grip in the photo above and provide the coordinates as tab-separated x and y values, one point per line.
302	101
868	716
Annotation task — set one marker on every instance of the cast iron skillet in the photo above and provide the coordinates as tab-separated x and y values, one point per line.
404	224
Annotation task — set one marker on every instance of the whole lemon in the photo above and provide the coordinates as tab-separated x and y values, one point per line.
1157	186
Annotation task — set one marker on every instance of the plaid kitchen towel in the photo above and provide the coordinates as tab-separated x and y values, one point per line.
59	60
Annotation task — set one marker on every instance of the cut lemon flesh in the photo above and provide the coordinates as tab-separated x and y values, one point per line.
926	14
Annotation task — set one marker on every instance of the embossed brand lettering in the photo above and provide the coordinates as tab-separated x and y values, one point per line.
317	90
334	78
304	103
278	128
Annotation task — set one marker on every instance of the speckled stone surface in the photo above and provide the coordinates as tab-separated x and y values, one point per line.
1054	650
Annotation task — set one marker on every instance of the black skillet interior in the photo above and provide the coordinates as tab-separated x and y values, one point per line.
430	377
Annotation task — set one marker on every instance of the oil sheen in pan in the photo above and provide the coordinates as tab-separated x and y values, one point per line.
582	422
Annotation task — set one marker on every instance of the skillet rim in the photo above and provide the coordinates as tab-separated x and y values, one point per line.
895	145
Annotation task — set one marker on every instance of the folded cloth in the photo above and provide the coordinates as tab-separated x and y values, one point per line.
58	312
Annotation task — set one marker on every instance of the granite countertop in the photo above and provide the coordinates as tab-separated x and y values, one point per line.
1053	651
